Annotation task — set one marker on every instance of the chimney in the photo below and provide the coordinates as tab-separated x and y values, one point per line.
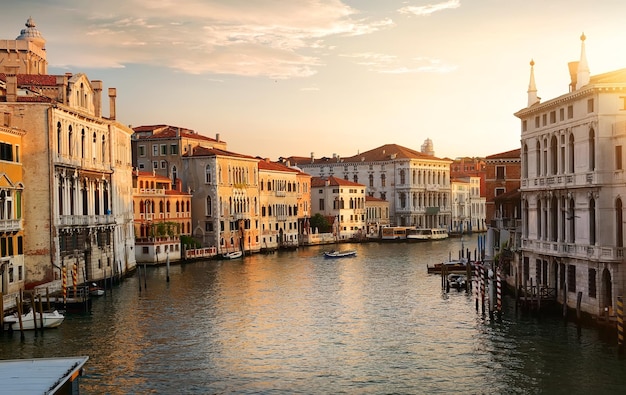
573	73
217	136
312	157
112	96
11	76
97	98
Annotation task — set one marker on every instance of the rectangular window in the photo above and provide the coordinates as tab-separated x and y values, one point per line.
618	157
570	112
20	245
562	114
208	226
163	164
500	172
174	149
590	105
145	250
141	166
544	119
163	149
537	124
142	150
321	204
524	125
7	119
592	283
552	116
155	150
155	165
571	278
499	191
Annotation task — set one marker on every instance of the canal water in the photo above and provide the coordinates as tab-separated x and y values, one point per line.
294	322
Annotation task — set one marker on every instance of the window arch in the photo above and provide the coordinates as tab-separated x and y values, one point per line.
570	154
592	150
82	143
207	174
592	222
208	210
69	140
59	138
402	176
619	223
525	161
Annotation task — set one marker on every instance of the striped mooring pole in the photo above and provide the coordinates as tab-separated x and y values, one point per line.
75	278
620	324
64	279
482	289
499	293
476	284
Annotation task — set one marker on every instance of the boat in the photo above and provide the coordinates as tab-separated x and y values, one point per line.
340	254
232	255
453	266
50	320
457	280
394	233
427	234
95	290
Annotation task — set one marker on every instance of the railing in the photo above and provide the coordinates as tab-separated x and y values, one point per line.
563	249
85	220
10	225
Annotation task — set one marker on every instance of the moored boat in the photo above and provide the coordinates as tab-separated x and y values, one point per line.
340	254
50	320
453	266
232	255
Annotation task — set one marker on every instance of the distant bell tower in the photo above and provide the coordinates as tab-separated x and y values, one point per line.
26	54
427	147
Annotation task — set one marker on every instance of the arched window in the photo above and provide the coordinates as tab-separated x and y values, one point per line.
572	221
383	180
82	144
69	140
539	219
402	200
93	146
592	150
402	177
174	175
208	209
538	157
592	222
371	180
570	154
619	223
525	161
59	138
554	149
207	174
104	149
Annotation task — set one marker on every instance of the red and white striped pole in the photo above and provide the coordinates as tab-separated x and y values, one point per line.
482	288
499	293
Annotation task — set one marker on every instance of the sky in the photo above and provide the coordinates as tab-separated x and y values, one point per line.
276	78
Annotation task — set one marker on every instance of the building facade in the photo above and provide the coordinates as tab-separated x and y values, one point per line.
225	199
160	148
573	187
12	268
344	202
503	173
416	185
77	168
162	215
278	197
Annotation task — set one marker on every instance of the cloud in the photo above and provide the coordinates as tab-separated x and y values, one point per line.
430	8
390	64
273	38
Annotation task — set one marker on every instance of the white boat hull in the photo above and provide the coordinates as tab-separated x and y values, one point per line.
50	320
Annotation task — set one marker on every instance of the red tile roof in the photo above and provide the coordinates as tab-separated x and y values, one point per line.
333	181
168	132
508	154
204	151
267	165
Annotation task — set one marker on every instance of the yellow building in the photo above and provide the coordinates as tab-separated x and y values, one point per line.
11	230
225	202
278	196
162	214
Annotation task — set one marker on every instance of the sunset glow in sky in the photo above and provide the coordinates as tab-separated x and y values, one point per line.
280	78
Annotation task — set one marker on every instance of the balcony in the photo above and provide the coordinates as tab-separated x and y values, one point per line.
10	225
571	250
85	220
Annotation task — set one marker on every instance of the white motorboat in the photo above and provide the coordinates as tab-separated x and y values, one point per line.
50	320
340	254
232	255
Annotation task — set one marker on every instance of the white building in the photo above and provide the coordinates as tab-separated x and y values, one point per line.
416	185
468	207
573	187
343	201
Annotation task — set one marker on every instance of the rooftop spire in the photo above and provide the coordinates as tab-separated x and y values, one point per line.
532	89
582	75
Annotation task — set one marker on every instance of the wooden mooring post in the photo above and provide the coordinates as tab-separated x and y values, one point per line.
620	325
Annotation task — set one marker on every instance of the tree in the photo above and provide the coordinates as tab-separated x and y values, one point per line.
321	223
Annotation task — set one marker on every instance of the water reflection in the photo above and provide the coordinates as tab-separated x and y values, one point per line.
295	322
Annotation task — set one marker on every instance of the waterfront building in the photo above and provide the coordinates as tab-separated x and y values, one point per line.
573	188
162	213
468	206
160	148
503	172
376	215
416	185
278	198
303	197
11	220
344	202
77	171
225	199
